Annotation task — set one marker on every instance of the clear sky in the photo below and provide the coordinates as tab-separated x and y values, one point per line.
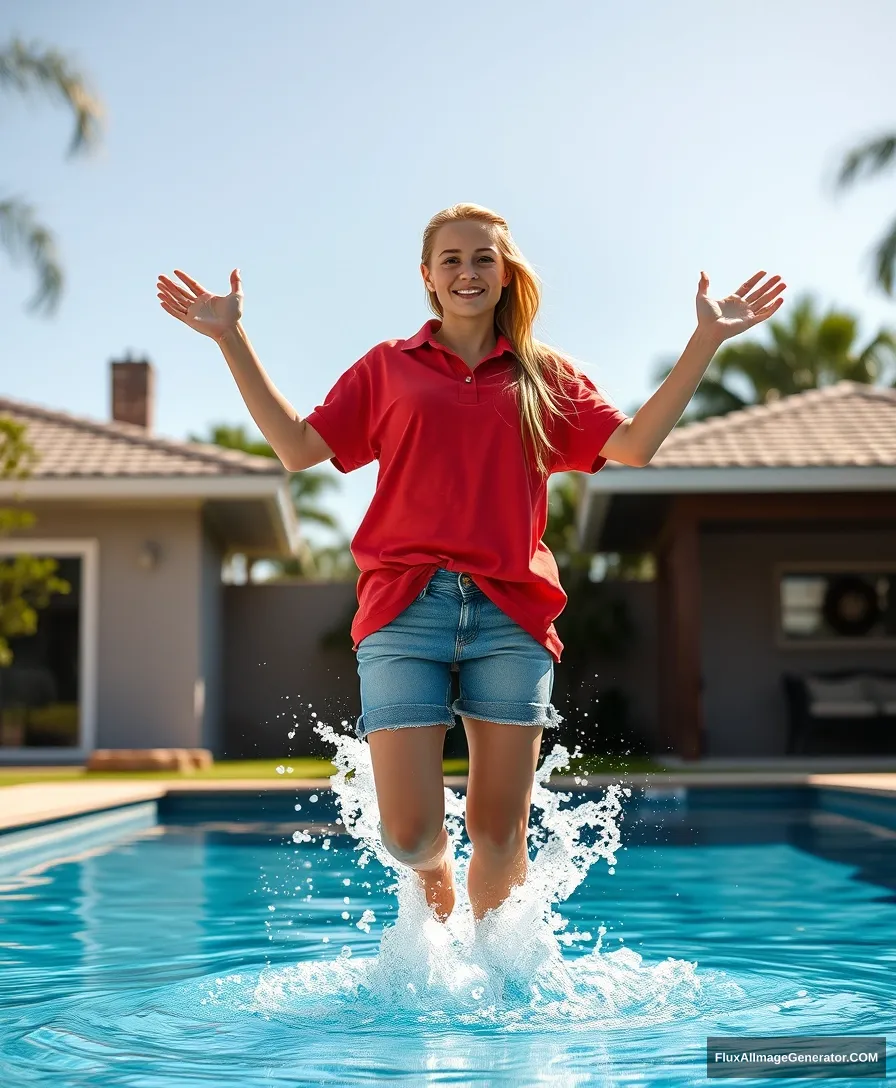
628	145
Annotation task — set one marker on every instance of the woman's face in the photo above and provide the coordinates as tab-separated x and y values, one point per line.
464	256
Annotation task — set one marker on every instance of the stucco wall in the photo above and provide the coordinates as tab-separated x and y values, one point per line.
148	652
744	711
274	668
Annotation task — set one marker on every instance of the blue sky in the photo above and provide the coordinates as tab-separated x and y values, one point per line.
308	144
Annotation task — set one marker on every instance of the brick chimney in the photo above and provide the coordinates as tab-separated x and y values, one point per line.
133	391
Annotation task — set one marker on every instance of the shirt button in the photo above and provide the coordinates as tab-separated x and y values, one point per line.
469	379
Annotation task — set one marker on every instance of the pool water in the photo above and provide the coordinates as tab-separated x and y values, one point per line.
209	947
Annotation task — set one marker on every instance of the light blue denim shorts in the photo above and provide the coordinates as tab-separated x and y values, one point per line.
505	675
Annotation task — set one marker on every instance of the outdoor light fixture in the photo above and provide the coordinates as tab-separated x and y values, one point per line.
149	555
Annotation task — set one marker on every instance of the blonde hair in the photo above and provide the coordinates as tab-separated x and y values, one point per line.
514	317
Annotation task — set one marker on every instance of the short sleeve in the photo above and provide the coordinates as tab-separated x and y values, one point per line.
344	420
585	423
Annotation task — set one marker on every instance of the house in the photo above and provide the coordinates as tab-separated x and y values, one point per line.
140	525
768	524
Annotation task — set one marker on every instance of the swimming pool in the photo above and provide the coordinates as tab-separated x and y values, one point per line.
194	941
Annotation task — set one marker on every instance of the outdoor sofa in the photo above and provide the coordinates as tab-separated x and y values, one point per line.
846	706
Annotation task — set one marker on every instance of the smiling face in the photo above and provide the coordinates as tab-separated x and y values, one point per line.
465	256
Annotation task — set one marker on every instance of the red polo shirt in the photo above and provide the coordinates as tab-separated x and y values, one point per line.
454	489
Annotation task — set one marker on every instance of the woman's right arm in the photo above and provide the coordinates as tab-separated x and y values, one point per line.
297	445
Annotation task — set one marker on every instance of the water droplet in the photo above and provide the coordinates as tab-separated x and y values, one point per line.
313	797
281	770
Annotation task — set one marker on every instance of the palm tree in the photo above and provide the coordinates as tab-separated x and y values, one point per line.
26	69
874	156
330	563
807	351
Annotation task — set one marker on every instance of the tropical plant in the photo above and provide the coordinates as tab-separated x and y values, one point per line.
806	351
26	583
872	157
313	563
27	69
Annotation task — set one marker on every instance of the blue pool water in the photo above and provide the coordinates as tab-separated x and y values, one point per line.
201	945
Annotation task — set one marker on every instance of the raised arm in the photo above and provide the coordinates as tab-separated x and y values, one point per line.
637	440
218	317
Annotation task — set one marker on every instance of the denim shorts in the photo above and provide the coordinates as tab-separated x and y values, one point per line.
505	675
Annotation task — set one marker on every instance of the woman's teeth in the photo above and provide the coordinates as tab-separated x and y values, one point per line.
469	294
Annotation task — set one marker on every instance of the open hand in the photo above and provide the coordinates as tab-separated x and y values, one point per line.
736	313
212	315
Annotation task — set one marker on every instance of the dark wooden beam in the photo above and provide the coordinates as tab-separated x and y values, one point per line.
849	506
680	633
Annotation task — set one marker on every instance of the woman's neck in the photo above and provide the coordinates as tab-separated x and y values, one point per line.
471	340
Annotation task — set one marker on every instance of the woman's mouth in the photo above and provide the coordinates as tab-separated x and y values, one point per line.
472	293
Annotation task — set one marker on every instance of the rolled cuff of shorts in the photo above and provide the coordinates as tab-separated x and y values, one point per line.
542	714
403	715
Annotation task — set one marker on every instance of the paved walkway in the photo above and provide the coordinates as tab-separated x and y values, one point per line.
37	802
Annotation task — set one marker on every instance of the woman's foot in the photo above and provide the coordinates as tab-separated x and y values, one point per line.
438	886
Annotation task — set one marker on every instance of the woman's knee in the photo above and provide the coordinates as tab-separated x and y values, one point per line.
498	832
414	843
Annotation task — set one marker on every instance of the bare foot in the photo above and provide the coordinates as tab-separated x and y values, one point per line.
438	885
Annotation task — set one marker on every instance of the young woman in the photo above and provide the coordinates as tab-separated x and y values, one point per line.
467	419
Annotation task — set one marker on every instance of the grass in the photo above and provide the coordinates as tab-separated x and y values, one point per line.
263	769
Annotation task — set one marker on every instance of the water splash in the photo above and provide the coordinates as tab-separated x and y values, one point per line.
506	970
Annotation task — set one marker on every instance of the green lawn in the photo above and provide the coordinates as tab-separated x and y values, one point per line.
263	769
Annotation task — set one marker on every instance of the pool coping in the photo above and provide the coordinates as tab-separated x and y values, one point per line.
32	804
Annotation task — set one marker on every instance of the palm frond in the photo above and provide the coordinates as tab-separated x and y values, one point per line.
878	355
885	260
19	232
25	68
872	157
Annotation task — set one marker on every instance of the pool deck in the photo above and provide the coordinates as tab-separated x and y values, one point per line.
35	803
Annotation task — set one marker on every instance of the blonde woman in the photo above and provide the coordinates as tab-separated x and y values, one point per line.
467	419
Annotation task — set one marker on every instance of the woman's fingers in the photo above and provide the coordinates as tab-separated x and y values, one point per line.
761	290
175	290
178	313
749	284
174	303
195	287
760	302
180	302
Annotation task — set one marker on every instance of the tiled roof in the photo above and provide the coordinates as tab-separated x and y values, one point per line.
73	447
844	424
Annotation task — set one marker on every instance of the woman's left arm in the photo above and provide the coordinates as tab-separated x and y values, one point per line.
636	440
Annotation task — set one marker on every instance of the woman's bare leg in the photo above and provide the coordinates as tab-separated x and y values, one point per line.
503	759
410	790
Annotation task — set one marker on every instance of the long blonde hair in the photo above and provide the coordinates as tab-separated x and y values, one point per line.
514	317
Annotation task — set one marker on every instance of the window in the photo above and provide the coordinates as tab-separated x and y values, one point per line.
47	694
838	604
